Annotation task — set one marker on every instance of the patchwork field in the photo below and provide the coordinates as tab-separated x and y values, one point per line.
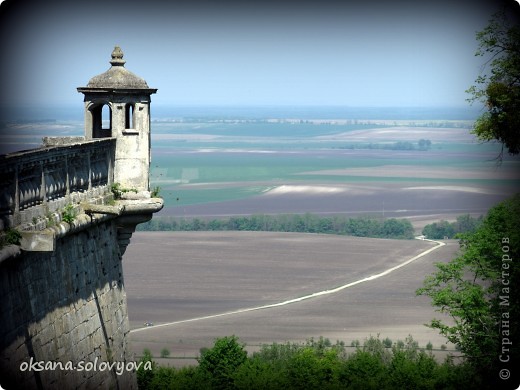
329	167
183	282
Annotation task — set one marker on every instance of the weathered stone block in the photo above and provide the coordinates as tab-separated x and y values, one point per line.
91	208
43	241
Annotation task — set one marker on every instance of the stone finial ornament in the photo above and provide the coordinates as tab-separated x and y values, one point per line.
117	57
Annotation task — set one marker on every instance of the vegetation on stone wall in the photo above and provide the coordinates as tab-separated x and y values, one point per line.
68	214
306	223
155	193
118	191
10	236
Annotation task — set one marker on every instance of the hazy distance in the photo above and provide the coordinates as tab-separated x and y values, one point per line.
376	54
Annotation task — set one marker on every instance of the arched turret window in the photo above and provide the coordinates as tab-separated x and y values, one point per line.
129	116
106	117
101	121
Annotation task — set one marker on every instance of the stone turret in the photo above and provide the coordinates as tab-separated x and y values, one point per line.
117	104
61	277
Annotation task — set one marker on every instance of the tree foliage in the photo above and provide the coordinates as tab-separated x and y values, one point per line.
306	223
316	364
145	377
499	89
439	230
221	361
474	290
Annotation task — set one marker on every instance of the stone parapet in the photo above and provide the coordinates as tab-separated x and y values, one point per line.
39	182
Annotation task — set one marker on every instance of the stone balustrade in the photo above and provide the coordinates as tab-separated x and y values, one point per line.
39	182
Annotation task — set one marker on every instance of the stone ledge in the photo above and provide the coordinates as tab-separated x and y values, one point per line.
142	206
61	141
137	210
9	251
91	208
45	240
135	195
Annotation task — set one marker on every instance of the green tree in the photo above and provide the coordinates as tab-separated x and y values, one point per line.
144	376
500	89
221	361
311	369
474	290
466	224
257	373
439	230
363	227
317	364
364	370
395	228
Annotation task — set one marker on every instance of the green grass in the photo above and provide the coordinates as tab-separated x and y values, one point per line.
232	167
218	167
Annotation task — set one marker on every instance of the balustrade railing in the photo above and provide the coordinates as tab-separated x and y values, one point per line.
34	180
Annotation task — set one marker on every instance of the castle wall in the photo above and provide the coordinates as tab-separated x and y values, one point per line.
74	203
66	305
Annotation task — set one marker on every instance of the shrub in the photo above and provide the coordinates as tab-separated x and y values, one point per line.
387	343
165	352
10	237
317	364
257	373
155	192
118	191
363	370
310	369
68	214
145	377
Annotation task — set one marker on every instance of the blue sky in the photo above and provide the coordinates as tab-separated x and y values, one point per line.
382	53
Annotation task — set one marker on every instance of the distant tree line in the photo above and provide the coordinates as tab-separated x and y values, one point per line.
464	224
422	144
317	364
298	223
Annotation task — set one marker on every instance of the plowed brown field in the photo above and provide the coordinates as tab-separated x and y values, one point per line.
192	279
